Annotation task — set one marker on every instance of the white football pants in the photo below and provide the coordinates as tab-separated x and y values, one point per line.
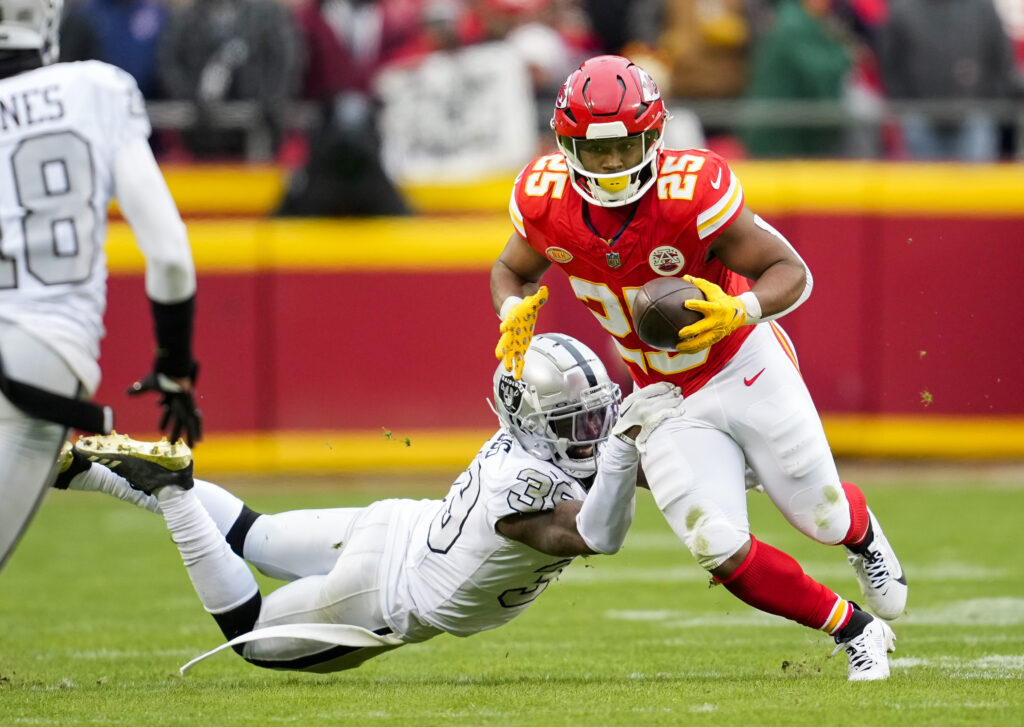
332	559
338	583
28	447
757	412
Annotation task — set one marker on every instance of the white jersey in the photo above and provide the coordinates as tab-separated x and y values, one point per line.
61	127
446	567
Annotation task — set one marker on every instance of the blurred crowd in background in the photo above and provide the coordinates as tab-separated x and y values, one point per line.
440	89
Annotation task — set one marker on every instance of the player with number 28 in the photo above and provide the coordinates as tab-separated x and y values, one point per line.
614	209
73	135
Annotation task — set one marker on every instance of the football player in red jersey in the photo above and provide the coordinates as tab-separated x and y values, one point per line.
614	209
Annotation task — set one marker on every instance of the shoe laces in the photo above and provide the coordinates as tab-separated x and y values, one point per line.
857	651
876	568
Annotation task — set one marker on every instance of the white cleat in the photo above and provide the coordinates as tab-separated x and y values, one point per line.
879	573
868	652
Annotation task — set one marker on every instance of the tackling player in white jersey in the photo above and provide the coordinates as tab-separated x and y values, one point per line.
72	136
558	480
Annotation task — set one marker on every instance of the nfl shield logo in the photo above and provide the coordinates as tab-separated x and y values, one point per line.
613	258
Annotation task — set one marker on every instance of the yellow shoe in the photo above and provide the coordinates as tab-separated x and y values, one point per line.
147	466
66	456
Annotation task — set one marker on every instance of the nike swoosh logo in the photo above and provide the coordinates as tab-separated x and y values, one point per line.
751	380
718	180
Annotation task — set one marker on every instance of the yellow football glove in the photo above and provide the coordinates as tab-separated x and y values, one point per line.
517	331
723	314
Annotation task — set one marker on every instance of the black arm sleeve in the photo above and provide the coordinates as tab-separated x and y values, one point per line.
173	324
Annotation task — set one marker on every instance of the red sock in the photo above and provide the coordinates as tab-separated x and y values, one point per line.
771	581
859	518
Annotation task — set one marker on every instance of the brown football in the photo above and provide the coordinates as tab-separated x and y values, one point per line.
659	313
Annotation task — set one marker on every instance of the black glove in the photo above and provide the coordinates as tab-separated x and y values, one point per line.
179	406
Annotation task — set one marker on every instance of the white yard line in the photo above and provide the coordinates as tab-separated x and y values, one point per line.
608	572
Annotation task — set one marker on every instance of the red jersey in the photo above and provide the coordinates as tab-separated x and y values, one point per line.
694	198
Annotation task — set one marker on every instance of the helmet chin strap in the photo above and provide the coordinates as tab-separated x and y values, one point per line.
576	467
594	192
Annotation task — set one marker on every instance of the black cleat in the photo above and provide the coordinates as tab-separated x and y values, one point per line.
69	464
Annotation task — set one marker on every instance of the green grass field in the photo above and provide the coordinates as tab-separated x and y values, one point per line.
97	614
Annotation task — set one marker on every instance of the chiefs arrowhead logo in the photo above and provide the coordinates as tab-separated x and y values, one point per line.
648	88
562	100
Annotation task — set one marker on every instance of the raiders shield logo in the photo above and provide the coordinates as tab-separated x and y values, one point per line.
666	260
510	392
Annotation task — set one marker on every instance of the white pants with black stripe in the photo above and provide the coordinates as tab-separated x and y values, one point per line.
28	447
332	558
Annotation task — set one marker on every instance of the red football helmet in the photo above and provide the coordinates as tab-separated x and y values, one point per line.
610	106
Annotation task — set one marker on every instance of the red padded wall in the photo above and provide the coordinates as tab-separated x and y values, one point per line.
900	306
